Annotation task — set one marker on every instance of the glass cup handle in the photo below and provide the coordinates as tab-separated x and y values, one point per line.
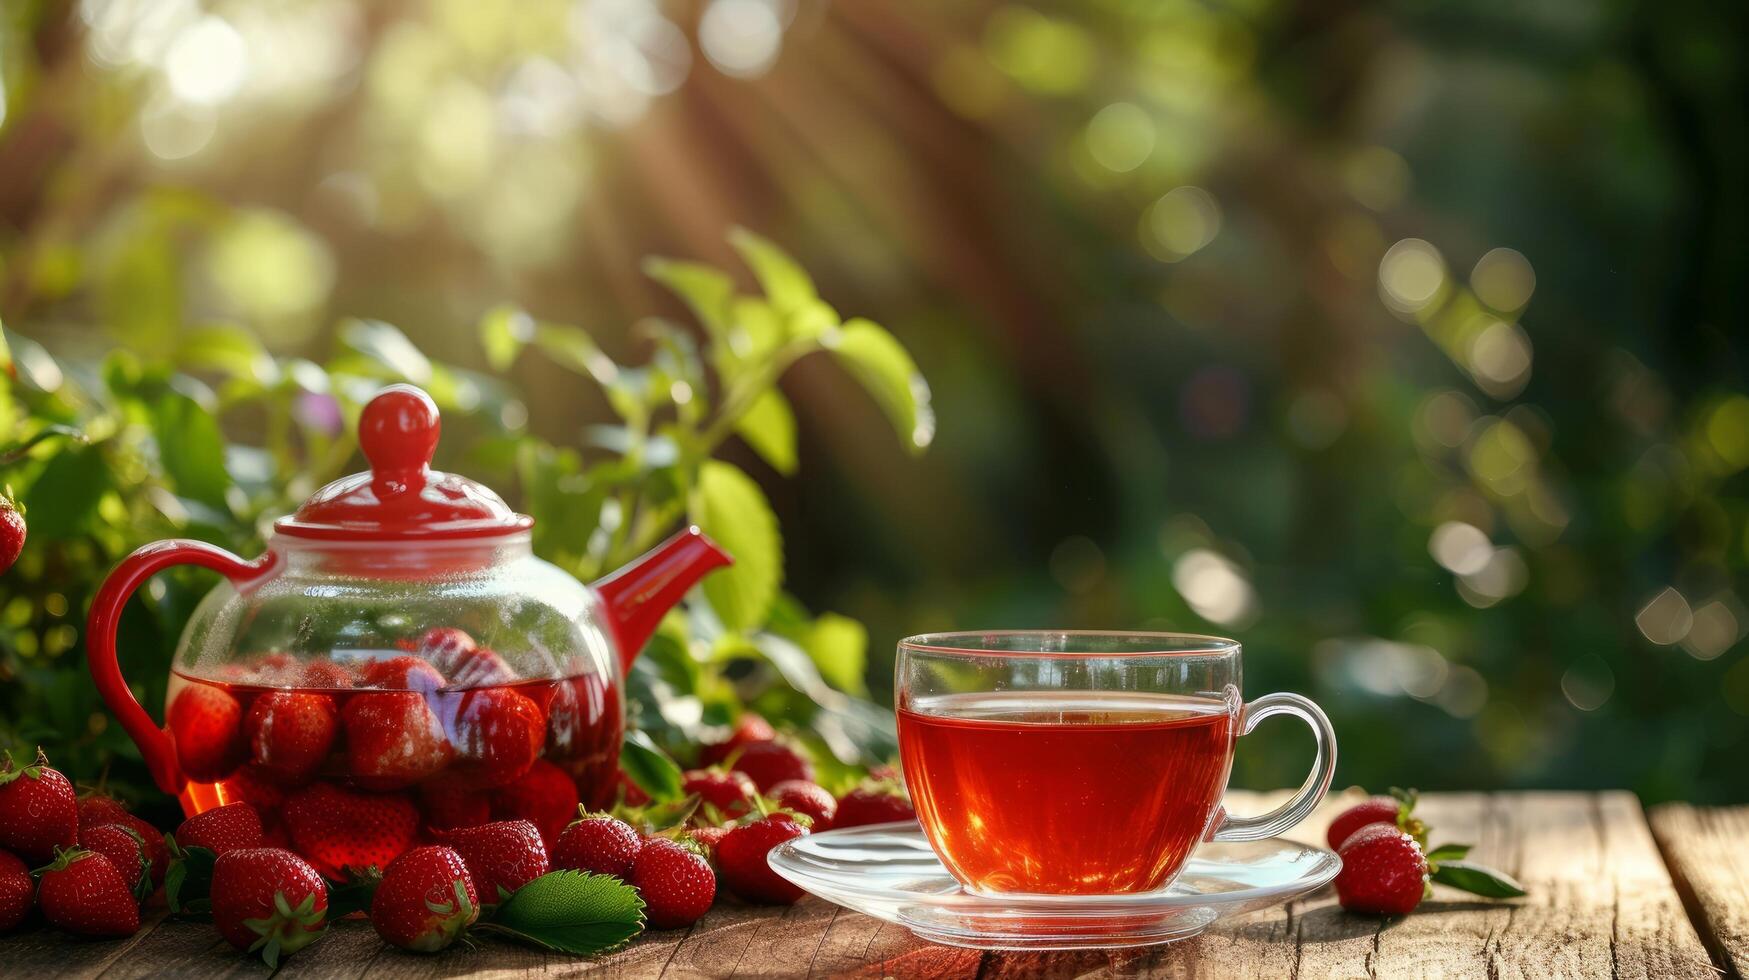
1231	828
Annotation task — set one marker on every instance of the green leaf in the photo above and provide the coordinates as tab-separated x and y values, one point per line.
769	426
1478	880
65	494
706	290
504	331
757	328
387	347
1447	852
188	884
732	509
785	284
225	347
877	359
839	647
191	448
571	348
571	912
649	766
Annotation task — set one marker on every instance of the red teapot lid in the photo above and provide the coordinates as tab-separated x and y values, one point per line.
401	497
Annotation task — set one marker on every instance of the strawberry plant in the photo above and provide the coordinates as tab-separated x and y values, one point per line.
212	436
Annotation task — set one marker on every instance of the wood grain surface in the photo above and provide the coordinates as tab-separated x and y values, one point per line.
1601	904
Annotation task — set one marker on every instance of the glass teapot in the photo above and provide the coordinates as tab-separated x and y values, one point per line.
398	643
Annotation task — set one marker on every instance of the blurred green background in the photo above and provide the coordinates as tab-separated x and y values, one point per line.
1399	341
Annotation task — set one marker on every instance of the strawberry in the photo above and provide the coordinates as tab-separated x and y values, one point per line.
1396	809
501	857
729	790
677	885
337	828
805	798
741	859
394	740
498	733
425	900
251	785
268	899
38	811
449	807
96	809
709	837
1383	871
402	674
328	675
289	733
221	829
277	668
598	844
12	532
874	801
207	724
152	840
770	763
83	893
466	664
17	891
545	796
749	728
125	849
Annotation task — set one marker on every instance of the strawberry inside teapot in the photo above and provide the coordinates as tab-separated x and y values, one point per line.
397	661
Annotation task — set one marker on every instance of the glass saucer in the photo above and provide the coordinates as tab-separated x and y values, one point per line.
889	871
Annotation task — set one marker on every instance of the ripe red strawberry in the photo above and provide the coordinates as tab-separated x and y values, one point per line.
1383	871
498	733
545	796
83	893
600	845
12	532
449	807
38	810
1396	810
402	674
677	885
741	859
394	740
770	763
328	675
466	664
729	790
425	900
96	809
501	857
709	837
808	799
17	891
152	839
337	828
268	899
207	724
277	668
221	829
290	733
125	849
749	728
252	786
875	801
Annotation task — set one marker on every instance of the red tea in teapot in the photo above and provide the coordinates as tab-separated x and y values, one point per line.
447	737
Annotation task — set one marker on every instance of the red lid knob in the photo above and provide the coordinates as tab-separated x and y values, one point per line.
398	430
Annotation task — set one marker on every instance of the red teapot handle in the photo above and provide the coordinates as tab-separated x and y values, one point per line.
106	608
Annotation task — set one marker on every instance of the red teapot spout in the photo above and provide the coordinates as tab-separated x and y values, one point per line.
637	596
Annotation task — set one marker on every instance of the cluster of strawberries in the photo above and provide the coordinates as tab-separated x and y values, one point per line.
1387	867
756	791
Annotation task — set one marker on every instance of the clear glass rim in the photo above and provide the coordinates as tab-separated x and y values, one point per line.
1131	643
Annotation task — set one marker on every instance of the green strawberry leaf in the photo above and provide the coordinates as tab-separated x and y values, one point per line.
1447	852
571	912
353	894
649	766
188	884
1478	880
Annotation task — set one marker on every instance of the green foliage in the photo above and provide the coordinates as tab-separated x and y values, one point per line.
570	912
156	463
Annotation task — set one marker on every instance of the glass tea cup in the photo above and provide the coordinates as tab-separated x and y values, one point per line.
1079	762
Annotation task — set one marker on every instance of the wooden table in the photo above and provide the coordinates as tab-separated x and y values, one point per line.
1612	894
